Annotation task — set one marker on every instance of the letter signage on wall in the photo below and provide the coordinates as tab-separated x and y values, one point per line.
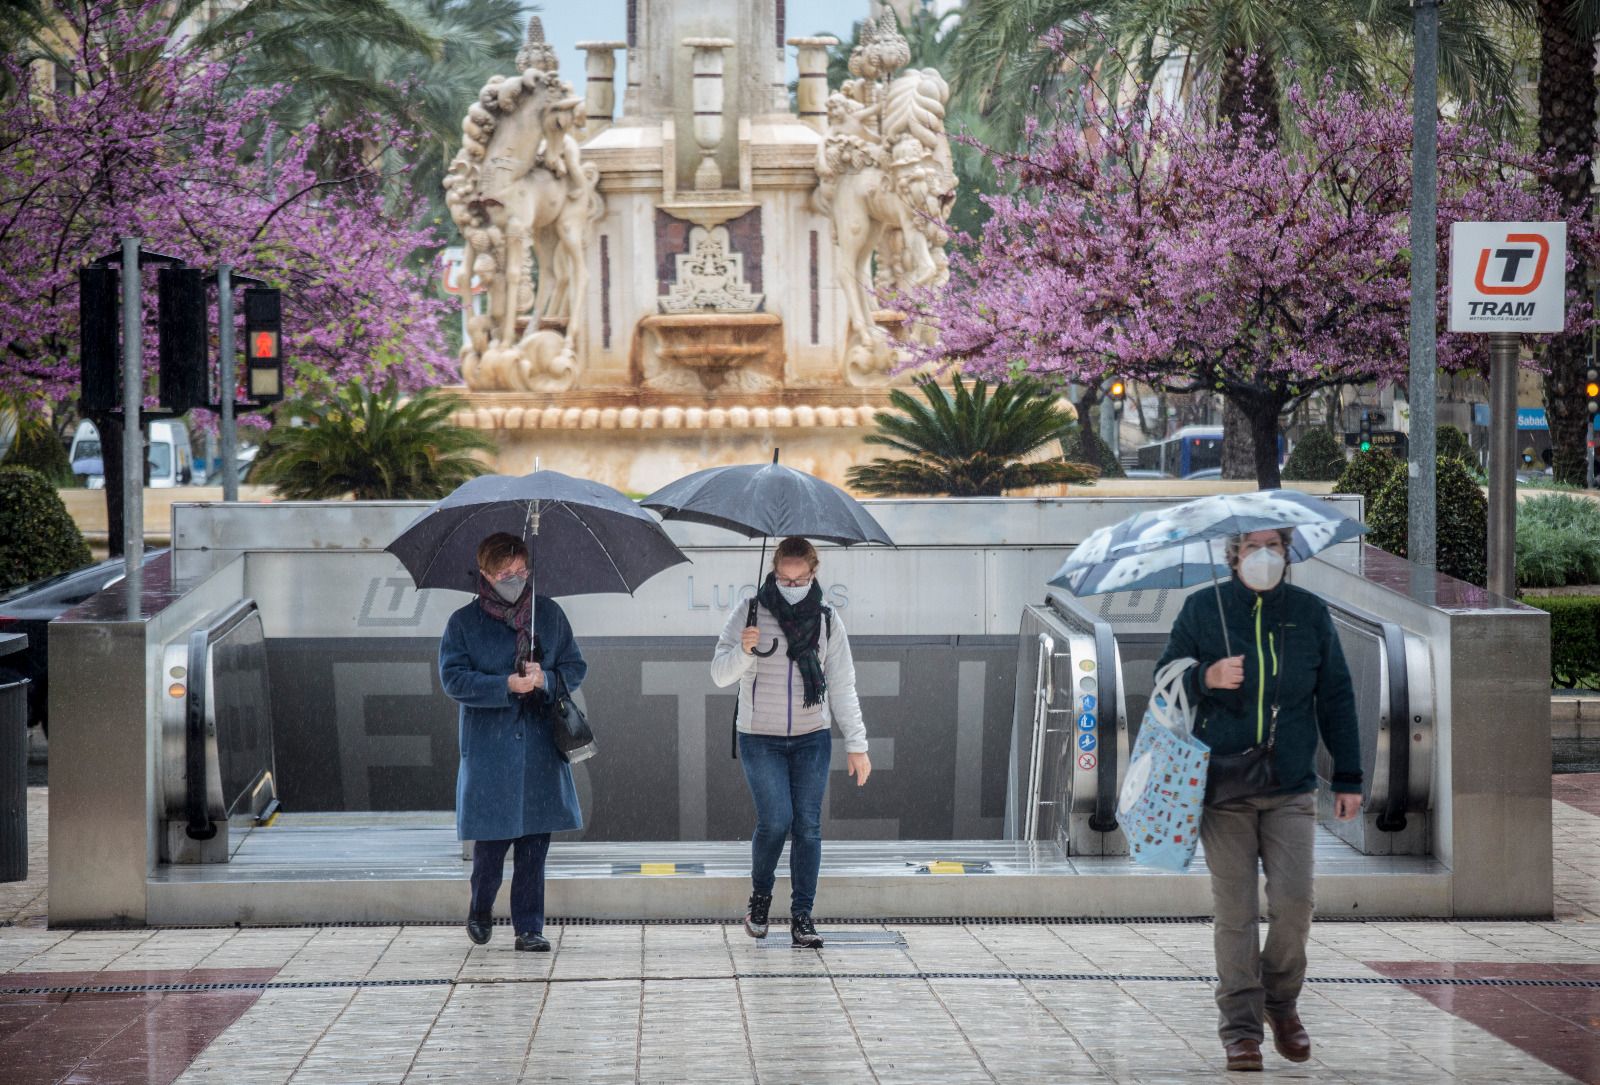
1508	276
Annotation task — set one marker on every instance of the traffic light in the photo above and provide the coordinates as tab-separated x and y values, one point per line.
181	319
1591	392
263	344
1366	432
98	354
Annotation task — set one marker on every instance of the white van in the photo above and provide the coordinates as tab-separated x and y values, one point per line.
171	459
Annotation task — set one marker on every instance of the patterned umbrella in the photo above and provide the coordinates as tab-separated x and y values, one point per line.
1183	545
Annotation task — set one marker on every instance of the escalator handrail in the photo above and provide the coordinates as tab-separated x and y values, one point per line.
1392	818
1111	723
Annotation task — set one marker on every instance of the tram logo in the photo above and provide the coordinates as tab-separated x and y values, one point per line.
385	603
1508	276
1514	268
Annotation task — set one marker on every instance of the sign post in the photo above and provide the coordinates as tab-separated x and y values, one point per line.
1507	279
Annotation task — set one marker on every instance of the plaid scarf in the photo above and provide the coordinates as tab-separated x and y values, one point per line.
518	615
802	627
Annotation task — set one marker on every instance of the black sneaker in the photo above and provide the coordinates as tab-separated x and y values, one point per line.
532	943
755	920
480	929
803	932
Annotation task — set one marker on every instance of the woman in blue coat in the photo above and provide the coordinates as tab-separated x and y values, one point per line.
499	656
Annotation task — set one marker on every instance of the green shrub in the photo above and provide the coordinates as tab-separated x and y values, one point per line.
37	537
1558	541
1574	639
38	447
1317	457
1450	441
1462	524
1366	474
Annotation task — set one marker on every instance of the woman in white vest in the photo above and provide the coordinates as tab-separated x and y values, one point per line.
788	697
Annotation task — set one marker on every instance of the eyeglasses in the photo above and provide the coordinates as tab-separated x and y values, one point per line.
509	574
797	582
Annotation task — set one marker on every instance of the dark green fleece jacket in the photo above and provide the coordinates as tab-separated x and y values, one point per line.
1291	657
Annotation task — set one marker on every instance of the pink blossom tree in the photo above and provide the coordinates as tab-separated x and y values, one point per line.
158	142
1214	256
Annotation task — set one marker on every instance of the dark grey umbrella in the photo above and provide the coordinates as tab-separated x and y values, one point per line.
768	499
583	538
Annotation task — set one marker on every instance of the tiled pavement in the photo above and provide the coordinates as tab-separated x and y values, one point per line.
1092	1002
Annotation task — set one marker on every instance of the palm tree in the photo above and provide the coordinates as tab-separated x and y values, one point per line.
969	443
371	444
1005	61
1568	96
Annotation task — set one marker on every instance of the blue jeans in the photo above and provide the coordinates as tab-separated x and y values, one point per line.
788	777
527	879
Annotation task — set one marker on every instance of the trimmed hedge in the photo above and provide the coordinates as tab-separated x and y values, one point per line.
1462	524
1574	639
1317	457
37	537
1366	474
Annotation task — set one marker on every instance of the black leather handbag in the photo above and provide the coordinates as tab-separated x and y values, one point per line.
569	727
1251	772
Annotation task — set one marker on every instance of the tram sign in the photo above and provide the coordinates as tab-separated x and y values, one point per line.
1508	276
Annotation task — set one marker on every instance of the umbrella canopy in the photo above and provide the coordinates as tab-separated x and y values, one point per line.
582	537
768	499
1182	545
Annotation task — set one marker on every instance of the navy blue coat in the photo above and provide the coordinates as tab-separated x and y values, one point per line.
512	780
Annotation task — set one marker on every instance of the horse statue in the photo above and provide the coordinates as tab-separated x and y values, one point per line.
519	189
887	182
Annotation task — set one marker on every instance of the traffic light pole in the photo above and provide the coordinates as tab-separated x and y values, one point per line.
225	390
133	453
1505	349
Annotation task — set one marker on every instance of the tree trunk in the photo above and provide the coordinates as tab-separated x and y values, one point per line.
1247	86
1567	101
1263	421
1091	448
1238	442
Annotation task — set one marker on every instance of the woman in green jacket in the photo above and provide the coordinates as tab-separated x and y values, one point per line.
1289	682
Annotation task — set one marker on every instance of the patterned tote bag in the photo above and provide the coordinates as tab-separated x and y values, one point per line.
1164	790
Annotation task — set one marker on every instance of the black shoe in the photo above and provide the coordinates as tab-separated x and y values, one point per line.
803	932
755	920
533	943
479	930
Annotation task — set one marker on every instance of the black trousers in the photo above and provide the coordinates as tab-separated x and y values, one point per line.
527	879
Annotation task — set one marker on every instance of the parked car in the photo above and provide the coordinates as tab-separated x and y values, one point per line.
170	456
1203	474
29	608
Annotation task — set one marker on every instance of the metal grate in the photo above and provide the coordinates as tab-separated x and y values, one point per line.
1012	977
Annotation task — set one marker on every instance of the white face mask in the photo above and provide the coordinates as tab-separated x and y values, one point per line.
1262	570
510	589
795	594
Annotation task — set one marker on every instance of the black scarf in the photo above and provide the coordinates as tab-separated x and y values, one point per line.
802	627
518	615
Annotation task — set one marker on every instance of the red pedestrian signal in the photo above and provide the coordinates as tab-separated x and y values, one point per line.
264	345
263	331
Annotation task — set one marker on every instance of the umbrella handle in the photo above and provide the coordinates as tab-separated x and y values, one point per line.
750	622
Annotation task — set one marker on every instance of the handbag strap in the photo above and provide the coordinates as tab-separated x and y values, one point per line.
1169	697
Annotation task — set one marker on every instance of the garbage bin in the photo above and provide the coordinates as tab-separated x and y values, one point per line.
13	768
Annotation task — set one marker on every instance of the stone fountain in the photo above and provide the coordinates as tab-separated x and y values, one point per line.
692	281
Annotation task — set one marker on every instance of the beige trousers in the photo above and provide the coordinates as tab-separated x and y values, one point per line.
1275	833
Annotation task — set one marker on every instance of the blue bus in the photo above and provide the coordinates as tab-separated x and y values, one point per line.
1190	451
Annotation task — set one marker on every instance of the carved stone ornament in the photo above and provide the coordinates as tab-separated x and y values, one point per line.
710	277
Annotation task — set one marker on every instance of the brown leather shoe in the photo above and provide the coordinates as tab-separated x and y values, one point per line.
1243	1055
1289	1036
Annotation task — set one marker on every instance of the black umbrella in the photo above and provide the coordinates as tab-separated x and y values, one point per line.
583	538
768	499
